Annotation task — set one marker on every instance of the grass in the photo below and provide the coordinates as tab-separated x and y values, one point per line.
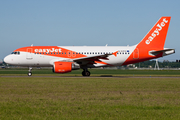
89	98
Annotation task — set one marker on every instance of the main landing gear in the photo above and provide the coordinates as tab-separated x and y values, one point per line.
30	73
86	72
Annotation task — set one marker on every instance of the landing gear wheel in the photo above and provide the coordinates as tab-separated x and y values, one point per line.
29	73
86	73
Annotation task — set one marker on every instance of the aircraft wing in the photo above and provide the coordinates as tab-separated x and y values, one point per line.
92	59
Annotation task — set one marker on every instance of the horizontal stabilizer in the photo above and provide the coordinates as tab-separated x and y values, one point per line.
165	52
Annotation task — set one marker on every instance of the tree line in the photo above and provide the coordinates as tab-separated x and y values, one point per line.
164	64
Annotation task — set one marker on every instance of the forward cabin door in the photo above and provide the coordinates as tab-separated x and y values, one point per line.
29	53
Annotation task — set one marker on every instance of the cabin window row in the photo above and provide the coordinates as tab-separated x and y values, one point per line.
85	53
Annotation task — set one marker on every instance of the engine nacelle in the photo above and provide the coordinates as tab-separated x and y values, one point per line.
62	67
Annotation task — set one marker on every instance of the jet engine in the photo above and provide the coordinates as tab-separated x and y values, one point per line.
64	67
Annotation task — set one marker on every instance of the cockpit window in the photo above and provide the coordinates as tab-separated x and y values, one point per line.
16	53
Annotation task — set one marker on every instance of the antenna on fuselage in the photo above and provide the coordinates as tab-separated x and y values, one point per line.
31	45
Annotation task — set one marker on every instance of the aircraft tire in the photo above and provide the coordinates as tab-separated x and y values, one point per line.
29	73
86	73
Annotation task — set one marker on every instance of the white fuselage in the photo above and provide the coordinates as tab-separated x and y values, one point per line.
46	60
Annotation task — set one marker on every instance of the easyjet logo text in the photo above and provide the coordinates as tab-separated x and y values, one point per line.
47	50
156	31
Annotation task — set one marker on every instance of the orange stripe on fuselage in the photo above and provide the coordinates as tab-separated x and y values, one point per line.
54	51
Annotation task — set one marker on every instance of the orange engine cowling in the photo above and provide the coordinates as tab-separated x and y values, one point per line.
62	67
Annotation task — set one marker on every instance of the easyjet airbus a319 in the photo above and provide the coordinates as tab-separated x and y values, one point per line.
64	59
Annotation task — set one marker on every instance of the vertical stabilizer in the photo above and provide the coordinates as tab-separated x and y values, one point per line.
157	35
153	41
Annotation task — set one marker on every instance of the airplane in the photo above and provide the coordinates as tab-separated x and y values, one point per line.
64	59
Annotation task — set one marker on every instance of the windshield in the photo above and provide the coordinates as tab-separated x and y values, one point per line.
16	53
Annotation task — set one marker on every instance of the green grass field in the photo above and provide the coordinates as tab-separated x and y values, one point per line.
89	98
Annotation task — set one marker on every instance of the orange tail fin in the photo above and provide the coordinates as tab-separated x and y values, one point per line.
153	41
157	35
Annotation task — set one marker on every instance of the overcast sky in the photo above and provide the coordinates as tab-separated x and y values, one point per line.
84	22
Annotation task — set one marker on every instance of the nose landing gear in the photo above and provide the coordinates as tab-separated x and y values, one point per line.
30	73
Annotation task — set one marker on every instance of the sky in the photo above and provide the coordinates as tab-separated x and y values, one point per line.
84	22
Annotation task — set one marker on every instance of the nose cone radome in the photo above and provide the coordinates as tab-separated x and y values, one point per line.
7	59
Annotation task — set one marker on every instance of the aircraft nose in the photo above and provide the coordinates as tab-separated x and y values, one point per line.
7	59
